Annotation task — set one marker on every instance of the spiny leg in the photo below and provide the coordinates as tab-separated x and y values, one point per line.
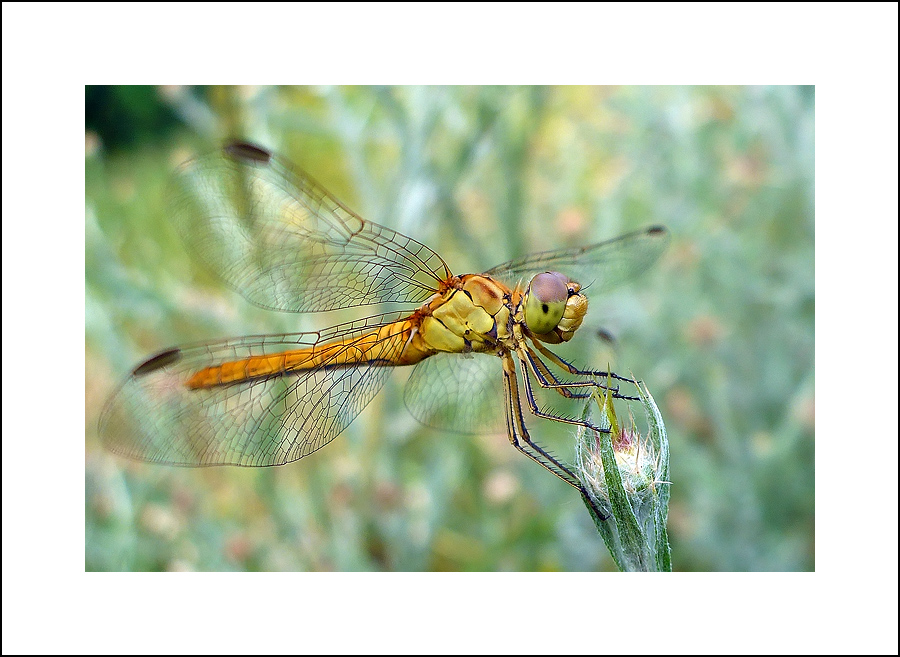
517	429
521	440
546	379
571	369
528	364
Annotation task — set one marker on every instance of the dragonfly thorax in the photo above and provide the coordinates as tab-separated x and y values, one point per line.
472	314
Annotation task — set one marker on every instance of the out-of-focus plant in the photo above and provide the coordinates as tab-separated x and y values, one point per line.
626	476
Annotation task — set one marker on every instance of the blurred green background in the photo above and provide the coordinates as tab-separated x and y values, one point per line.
721	330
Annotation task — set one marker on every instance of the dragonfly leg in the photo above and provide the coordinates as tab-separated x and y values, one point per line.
521	440
594	374
535	409
546	379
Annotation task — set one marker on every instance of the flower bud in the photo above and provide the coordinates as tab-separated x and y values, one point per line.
626	477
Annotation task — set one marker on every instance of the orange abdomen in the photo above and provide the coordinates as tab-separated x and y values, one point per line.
388	345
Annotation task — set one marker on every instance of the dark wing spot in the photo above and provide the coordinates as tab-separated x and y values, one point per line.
545	308
657	230
242	151
158	362
606	336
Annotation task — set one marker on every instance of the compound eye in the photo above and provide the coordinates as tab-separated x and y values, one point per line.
545	301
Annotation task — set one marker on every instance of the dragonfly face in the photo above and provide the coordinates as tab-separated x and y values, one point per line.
274	235
553	307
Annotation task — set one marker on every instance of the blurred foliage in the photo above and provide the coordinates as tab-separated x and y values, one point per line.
123	116
721	330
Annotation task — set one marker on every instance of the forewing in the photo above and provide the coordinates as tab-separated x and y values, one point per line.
269	420
606	264
282	241
457	392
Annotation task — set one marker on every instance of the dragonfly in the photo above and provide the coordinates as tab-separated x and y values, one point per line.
477	343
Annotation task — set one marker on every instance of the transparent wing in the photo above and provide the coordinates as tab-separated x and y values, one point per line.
282	241
607	264
264	421
457	392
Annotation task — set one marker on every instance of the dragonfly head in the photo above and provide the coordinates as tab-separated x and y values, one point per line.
554	307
